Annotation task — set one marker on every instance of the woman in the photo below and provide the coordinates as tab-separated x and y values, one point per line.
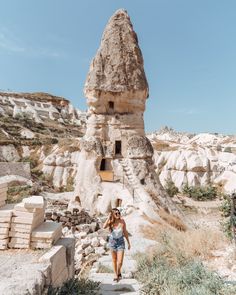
118	231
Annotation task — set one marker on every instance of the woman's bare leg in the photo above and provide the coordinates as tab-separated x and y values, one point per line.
114	261
120	257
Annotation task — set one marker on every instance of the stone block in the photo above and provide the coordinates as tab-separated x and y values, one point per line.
4	230
69	244
4	244
62	277
16	234
21	227
20	241
5	219
3	236
40	245
34	222
34	202
5	224
18	246
47	230
20	207
56	256
6	211
29	215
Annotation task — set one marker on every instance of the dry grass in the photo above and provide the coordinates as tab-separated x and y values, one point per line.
172	220
194	242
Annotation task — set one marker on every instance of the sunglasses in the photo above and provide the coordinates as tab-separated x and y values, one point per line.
117	213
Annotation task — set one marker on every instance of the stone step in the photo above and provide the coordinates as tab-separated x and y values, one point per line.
129	264
108	286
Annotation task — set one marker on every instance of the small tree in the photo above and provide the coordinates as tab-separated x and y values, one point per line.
171	188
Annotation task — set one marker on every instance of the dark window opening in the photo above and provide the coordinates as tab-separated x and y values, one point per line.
118	147
111	105
118	202
103	165
142	181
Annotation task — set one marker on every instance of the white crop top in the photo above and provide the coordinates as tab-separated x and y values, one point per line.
117	232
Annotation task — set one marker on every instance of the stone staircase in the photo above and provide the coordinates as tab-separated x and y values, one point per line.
126	286
130	180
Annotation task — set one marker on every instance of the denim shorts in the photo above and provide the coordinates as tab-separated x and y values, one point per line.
116	244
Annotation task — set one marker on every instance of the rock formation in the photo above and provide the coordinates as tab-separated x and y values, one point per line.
115	154
39	107
195	160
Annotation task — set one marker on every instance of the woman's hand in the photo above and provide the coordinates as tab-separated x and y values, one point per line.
129	246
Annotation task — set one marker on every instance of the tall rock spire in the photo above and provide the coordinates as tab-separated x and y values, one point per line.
118	64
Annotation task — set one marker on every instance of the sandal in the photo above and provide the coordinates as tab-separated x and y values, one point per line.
120	276
116	279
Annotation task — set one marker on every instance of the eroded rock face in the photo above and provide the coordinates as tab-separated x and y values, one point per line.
118	65
139	147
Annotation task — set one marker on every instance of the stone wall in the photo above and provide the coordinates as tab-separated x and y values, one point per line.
15	168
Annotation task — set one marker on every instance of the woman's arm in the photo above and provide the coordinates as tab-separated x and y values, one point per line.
126	234
107	222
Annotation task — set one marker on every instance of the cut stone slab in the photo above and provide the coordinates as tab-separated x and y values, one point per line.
5	219
34	221
6	210
4	230
40	245
57	258
5	224
18	246
34	202
62	277
124	286
20	207
47	230
3	236
16	234
29	215
20	227
20	241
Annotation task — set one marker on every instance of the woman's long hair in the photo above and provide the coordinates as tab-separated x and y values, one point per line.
112	219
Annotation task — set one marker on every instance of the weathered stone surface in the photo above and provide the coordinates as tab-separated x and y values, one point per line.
118	64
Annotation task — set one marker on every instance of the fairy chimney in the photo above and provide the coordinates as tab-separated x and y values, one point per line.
115	148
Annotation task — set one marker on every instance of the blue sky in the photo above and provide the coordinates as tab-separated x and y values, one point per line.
189	50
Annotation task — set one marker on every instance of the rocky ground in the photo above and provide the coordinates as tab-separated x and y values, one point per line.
20	268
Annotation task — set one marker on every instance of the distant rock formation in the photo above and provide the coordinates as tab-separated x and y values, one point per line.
195	160
39	106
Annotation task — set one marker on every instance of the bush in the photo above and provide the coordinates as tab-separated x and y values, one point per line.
200	193
225	208
229	222
171	188
169	271
76	287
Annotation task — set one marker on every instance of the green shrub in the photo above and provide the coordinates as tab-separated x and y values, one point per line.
171	188
76	287
200	193
225	208
168	272
17	193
